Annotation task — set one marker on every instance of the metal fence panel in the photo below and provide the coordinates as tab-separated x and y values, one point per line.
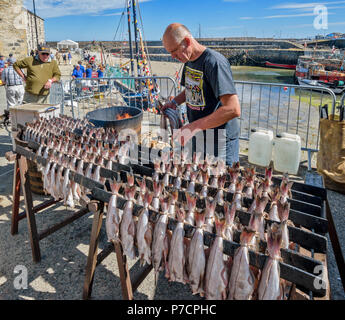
57	95
278	107
283	108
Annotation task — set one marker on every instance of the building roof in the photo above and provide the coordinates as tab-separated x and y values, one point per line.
32	13
67	42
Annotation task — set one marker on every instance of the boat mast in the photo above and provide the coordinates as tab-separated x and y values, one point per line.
130	37
136	36
33	2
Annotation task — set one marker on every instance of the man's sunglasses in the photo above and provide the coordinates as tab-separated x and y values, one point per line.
44	54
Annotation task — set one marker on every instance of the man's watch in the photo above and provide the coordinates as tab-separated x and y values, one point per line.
50	80
174	102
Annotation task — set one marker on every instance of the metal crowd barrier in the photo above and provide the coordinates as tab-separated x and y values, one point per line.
284	108
277	107
57	95
85	95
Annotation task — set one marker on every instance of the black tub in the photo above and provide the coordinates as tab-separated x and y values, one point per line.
106	118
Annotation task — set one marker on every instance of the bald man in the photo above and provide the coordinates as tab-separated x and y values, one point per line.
209	94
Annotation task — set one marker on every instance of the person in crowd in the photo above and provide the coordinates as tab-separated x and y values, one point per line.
13	84
64	58
2	62
209	94
32	53
88	71
42	72
57	56
77	74
69	57
100	71
82	68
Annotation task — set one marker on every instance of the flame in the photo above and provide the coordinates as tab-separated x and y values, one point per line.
123	116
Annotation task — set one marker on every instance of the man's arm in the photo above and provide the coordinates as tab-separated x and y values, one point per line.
21	64
56	73
56	76
229	109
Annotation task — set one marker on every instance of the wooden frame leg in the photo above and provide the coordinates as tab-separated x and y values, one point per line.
16	197
97	209
126	284
30	215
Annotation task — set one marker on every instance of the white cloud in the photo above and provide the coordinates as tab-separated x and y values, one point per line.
294	5
278	16
59	8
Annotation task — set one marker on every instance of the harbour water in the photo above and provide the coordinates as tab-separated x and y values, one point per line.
259	74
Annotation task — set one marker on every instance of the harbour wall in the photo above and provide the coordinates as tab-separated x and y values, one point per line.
248	51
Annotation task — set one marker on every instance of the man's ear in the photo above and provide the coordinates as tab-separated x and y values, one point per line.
187	41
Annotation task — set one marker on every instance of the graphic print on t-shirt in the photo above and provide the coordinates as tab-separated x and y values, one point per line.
193	84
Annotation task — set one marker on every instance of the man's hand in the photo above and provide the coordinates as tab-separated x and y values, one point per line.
48	84
167	105
184	134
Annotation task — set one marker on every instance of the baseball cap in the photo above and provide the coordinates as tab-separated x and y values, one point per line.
44	49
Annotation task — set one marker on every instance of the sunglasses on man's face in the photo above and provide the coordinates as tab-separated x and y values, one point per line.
44	54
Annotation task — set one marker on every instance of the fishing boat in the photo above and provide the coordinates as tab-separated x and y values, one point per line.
144	93
320	73
279	65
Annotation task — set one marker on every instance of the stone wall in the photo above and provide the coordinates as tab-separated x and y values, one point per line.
13	28
31	30
17	29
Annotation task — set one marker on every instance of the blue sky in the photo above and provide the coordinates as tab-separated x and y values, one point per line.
99	19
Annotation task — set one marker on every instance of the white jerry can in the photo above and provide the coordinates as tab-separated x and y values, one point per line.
287	152
260	147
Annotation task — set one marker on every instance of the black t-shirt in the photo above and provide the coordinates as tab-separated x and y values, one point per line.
205	80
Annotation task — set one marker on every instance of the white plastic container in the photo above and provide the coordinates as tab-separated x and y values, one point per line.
287	152
260	147
32	111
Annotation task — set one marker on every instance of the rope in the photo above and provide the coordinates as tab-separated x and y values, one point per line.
118	25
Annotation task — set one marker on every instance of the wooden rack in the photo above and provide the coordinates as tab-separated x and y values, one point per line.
296	268
21	181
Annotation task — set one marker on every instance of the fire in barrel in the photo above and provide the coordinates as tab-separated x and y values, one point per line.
117	117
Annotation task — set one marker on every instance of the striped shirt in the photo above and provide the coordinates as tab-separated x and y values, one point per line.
10	77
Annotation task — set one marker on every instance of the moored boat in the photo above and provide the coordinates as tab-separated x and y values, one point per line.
279	65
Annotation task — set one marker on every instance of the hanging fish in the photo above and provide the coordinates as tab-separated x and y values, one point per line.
242	280
196	259
216	276
270	287
274	196
160	244
144	232
209	214
283	214
127	226
114	215
191	205
229	211
175	270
